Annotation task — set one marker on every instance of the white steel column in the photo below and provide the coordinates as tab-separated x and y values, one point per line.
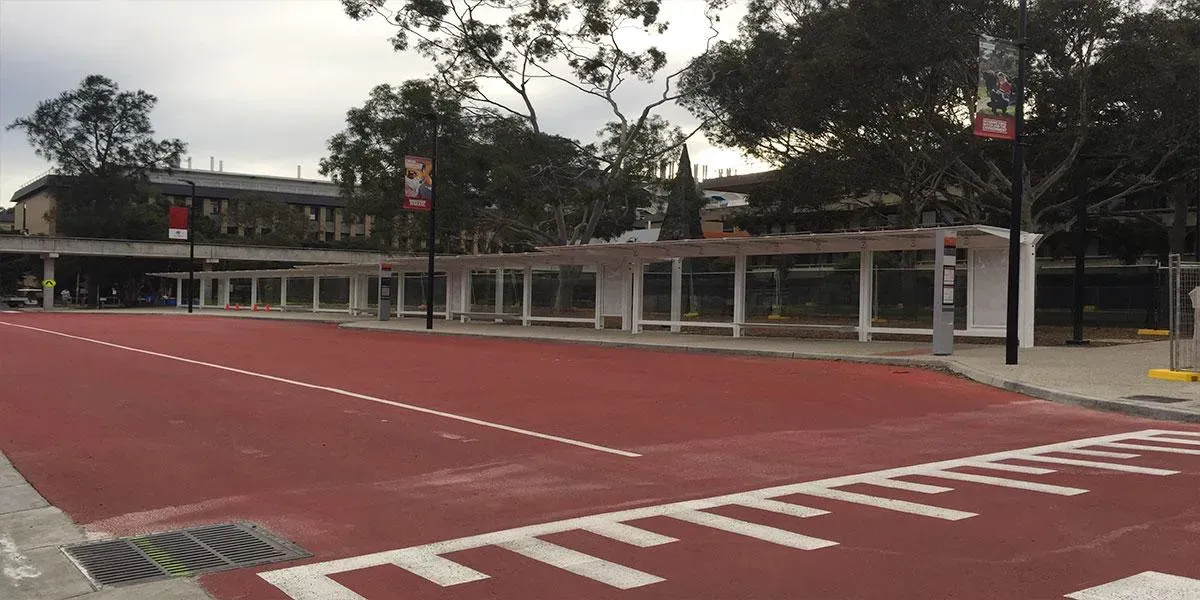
316	293
1026	292
179	303
202	289
283	293
499	296
527	296
398	301
635	320
464	293
225	284
599	296
253	291
676	293
739	293
866	293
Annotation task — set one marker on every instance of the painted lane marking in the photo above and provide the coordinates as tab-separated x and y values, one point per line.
629	534
312	582
1150	585
1152	448
765	533
618	576
998	466
904	506
1101	453
1099	465
908	486
784	508
1012	483
1174	441
341	392
1187	433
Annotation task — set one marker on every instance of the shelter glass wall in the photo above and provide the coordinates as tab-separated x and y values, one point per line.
268	290
810	289
415	285
239	291
300	291
334	293
566	292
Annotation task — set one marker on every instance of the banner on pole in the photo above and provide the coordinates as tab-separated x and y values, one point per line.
418	183
177	223
995	107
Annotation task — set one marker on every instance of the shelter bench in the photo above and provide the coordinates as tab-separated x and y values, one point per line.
814	326
484	316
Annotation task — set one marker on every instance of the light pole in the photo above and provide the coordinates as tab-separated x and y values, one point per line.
1081	221
191	245
1012	327
433	228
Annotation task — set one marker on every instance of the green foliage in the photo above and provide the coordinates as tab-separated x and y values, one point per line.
682	219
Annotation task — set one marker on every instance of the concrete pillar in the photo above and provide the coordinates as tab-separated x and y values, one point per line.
282	292
866	293
627	297
316	293
676	293
226	283
48	275
464	292
202	289
739	293
527	296
499	291
599	296
639	282
398	301
253	291
179	301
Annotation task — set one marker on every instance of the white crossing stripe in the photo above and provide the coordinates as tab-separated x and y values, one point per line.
629	534
914	508
997	466
586	565
1099	465
1150	585
908	486
784	508
1173	441
1101	453
312	581
1153	448
765	533
1191	433
1012	483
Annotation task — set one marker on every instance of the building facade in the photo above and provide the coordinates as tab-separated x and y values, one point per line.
218	195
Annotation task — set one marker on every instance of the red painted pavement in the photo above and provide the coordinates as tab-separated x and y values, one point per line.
129	443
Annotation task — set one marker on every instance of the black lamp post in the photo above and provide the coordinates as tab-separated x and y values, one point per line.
433	227
1012	326
191	245
1081	222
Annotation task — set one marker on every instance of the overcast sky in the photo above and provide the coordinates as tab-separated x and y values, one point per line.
258	84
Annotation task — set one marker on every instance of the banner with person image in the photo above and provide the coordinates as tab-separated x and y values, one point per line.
418	183
995	108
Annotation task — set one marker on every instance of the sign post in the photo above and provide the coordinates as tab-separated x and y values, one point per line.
420	193
943	301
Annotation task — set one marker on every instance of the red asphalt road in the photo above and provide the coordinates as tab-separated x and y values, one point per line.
129	443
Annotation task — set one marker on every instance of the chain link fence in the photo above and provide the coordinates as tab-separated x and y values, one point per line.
1184	278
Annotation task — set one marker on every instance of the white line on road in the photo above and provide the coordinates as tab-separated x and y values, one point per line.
908	486
312	582
634	536
765	533
1148	448
1098	465
1101	453
1012	483
339	391
784	508
1171	440
618	576
1149	585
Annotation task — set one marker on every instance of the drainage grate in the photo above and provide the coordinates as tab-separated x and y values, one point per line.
1159	399
180	553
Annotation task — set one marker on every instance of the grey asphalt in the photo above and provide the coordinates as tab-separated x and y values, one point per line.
1106	377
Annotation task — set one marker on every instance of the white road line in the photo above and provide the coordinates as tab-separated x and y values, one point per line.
1150	585
311	582
998	466
908	486
333	390
1011	483
629	534
1173	441
1190	433
765	533
586	565
897	505
1099	465
1145	447
1101	453
784	508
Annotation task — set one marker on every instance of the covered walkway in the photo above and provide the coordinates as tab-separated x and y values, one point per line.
866	282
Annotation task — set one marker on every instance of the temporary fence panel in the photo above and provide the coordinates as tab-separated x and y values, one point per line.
1184	286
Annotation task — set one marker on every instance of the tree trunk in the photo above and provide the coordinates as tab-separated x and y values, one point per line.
568	276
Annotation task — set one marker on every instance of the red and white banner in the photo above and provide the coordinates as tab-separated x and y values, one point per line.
418	183
995	107
177	223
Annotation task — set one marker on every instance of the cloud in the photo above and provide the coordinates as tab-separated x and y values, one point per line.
260	85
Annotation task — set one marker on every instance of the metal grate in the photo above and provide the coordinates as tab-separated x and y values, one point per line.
1184	290
180	553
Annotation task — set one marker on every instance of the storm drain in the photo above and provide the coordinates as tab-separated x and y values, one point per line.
180	553
1158	399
